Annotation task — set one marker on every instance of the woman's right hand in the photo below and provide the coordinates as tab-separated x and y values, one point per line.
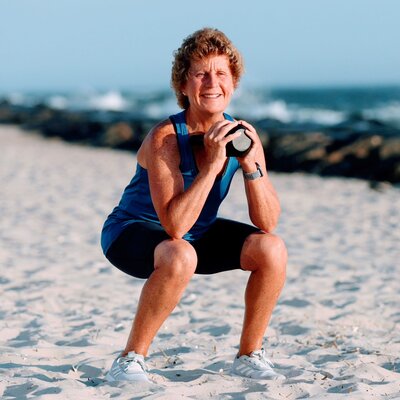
215	141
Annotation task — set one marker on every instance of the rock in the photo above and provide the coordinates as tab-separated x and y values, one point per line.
363	159
73	127
294	152
389	161
371	157
379	186
120	135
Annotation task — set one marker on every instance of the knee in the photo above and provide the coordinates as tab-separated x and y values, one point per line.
177	258
264	251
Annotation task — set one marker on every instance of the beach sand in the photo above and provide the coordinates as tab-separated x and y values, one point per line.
66	312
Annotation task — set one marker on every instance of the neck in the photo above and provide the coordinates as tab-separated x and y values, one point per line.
201	122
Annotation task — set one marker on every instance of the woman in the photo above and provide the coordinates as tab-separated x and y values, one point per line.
165	228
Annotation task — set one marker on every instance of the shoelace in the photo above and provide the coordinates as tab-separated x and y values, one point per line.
260	355
126	361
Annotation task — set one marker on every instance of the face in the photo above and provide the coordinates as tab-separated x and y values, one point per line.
210	85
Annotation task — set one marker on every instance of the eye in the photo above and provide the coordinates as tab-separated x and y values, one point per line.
200	74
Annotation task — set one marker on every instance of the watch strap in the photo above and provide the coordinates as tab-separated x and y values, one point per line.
251	176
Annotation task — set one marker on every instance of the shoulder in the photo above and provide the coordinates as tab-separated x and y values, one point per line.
163	131
160	140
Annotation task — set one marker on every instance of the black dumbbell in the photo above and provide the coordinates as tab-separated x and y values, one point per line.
239	146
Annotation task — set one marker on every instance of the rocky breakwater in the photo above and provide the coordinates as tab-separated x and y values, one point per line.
120	130
359	147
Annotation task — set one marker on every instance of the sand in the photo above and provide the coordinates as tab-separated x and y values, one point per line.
66	312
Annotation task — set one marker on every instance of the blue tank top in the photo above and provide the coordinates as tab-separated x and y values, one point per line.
136	204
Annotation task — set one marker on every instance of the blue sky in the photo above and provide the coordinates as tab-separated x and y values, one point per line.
128	44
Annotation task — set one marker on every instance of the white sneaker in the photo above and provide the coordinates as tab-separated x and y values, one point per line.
128	368
256	366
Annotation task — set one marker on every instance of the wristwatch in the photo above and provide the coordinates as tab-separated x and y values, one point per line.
250	176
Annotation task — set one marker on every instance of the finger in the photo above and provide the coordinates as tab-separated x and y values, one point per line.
247	125
213	131
228	138
220	129
250	131
220	124
224	130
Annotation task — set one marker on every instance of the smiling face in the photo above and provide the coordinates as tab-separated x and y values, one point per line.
210	85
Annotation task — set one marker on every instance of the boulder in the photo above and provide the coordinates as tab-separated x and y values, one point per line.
297	152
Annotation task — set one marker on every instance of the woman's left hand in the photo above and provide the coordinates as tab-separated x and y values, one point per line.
256	153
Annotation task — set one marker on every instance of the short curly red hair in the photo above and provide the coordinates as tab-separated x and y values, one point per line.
198	45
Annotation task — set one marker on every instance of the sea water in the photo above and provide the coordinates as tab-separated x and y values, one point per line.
326	106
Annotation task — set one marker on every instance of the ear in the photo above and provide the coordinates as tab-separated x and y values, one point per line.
183	89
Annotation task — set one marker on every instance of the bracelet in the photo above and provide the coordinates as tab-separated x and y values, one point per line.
250	176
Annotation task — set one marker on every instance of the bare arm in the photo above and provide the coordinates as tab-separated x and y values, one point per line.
178	209
262	199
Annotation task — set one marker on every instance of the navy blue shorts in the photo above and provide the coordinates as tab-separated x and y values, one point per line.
217	250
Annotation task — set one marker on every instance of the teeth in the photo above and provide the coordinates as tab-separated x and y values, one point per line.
211	96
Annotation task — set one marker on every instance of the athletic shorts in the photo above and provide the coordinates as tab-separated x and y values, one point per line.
217	250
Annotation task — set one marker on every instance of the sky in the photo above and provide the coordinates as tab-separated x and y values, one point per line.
129	44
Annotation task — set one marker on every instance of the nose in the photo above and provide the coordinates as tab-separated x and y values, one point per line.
211	80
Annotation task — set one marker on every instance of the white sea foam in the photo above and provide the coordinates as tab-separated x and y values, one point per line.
389	113
318	115
281	111
277	109
112	101
16	98
161	109
255	109
58	102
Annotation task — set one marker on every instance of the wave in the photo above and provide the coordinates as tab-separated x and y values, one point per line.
281	111
387	113
322	107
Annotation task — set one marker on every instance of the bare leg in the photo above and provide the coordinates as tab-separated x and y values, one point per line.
174	264
265	255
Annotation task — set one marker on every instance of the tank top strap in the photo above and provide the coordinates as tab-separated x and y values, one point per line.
228	117
182	135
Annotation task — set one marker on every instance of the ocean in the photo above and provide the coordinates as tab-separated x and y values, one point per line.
319	106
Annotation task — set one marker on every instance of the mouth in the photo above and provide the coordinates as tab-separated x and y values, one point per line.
211	96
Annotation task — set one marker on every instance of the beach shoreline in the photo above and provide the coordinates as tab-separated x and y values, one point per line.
66	312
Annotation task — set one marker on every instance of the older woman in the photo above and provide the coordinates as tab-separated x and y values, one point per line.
165	228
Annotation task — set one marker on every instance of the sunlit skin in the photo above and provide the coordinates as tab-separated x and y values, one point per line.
209	88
